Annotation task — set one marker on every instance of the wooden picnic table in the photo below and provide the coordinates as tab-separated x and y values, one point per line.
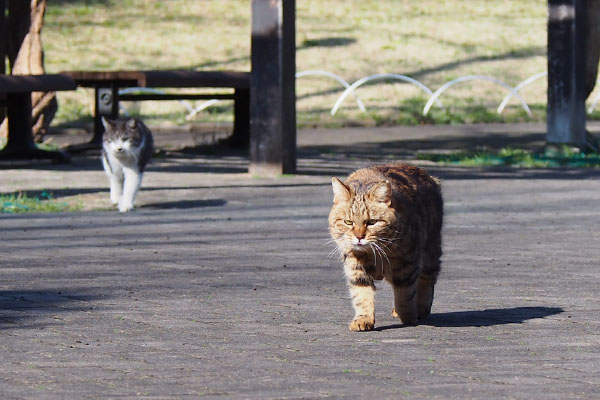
15	95
107	85
270	86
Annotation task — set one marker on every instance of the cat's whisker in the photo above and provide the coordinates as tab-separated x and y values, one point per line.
372	246
335	251
384	245
388	243
388	246
328	242
332	251
383	253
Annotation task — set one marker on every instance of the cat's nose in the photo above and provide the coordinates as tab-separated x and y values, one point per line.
119	149
360	232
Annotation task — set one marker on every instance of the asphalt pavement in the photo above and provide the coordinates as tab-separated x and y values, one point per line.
223	285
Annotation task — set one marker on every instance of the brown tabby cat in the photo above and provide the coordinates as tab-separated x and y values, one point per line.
386	221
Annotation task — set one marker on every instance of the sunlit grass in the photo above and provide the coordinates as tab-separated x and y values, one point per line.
44	202
430	40
433	41
510	157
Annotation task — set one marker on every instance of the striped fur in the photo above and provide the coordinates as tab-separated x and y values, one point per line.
386	221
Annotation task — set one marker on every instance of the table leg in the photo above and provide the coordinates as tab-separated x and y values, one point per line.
241	119
106	104
19	144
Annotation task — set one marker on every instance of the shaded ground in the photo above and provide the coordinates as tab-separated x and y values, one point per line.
222	285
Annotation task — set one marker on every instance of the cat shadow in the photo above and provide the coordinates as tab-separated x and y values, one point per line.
327	42
20	309
185	204
489	317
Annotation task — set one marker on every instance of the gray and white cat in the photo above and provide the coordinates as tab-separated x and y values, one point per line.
127	146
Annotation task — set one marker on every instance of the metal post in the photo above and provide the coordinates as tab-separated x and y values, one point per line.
3	44
566	73
106	105
272	91
3	36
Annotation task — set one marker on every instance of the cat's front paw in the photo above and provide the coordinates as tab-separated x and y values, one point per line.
407	318
362	323
124	207
116	192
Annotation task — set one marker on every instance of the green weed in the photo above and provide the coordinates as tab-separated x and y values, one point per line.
21	202
552	158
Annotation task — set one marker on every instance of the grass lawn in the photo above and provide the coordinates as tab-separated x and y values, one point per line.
19	203
433	41
509	157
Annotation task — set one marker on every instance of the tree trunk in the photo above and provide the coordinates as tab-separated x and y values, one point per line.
25	57
3	30
592	38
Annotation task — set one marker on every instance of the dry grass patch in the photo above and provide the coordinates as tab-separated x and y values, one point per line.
433	41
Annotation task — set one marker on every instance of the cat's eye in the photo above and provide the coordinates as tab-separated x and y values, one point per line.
372	222
348	222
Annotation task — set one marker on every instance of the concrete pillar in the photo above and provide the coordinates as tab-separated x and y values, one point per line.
3	36
566	73
3	45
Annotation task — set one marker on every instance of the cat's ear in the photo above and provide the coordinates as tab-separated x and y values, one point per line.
382	192
108	124
131	123
340	191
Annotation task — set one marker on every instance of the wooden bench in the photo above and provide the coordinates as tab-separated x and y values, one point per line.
15	95
108	83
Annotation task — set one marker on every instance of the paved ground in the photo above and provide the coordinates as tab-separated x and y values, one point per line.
221	285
